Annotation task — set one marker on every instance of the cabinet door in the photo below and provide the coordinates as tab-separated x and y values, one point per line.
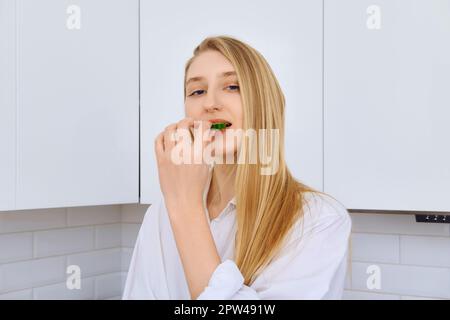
78	102
387	98
7	104
287	33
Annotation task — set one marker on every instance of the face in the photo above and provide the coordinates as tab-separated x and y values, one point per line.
212	92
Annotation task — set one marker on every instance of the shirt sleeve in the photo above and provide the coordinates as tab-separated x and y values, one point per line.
137	284
311	266
146	277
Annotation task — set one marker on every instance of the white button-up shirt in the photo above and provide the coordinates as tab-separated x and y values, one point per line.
311	265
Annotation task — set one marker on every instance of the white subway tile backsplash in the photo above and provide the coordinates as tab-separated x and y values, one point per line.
127	253
31	273
418	298
97	262
348	277
18	295
129	234
376	247
60	291
29	220
396	224
425	251
362	295
63	241
79	216
108	236
16	246
37	245
108	285
404	279
134	213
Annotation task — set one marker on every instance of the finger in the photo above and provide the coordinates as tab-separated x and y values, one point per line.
207	133
196	128
202	129
159	146
169	137
184	128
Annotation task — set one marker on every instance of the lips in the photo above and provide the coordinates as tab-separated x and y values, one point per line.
227	123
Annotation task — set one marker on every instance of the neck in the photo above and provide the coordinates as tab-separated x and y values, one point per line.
221	189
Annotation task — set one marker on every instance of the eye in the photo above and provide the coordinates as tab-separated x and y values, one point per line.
235	87
194	93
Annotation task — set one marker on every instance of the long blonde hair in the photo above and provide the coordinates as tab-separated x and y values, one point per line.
267	206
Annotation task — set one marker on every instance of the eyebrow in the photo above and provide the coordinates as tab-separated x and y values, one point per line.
222	75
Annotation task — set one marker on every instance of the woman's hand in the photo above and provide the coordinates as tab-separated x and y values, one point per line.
183	173
182	184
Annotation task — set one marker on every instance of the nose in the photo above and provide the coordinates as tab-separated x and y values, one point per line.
212	109
211	104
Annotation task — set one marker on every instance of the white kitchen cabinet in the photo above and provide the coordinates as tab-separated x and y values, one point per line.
386	107
77	108
287	33
7	109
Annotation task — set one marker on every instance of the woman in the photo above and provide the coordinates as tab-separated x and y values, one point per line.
227	230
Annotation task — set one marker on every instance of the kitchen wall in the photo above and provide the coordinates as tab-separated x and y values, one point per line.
413	258
37	245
